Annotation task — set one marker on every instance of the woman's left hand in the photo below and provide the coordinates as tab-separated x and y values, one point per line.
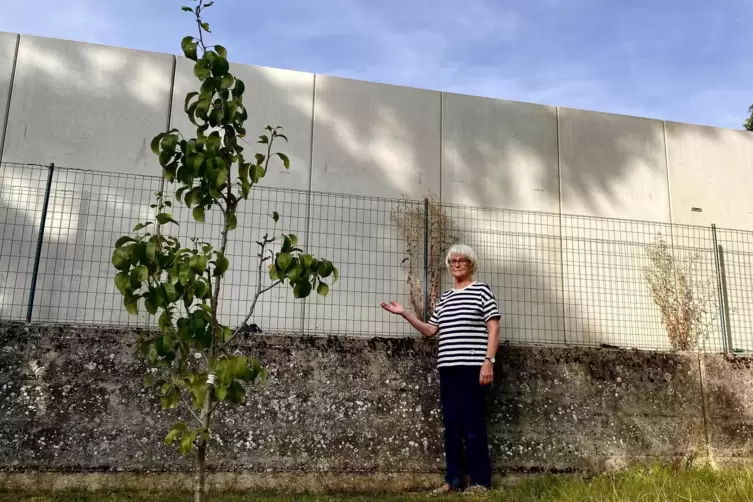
487	373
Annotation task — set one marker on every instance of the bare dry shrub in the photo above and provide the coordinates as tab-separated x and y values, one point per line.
409	217
682	295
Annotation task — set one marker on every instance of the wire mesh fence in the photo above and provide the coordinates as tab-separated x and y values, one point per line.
558	279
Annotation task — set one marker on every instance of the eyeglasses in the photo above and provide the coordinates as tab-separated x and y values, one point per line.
459	262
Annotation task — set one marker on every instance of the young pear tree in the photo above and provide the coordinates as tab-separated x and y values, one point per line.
191	364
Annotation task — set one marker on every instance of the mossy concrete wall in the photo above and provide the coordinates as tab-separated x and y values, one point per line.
366	409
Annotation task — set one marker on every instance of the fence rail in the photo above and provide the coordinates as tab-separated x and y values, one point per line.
559	279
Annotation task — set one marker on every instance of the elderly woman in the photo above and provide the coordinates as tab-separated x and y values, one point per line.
467	320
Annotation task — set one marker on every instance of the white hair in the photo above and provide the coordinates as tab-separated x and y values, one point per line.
464	251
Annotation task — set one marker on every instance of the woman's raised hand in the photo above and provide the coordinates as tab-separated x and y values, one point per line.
393	308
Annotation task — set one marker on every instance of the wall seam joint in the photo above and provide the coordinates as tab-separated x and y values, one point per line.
10	96
561	242
307	230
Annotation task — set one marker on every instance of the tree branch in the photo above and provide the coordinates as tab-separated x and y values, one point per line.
259	290
188	406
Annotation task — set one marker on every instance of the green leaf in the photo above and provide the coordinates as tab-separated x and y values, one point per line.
200	289
221	51
220	392
302	288
121	259
205	27
189	47
306	261
236	393
192	198
293	239
186	443
198	264
285	160
232	221
164	218
198	214
149	381
257	173
131	304
186	9
189	97
122	282
221	178
283	261
150	306
220	67
294	273
222	265
155	142
239	87
184	274
123	240
275	216
170	291
287	244
140	274
273	273
198	160
175	432
322	289
335	274
227	82
151	252
141	226
263	139
325	269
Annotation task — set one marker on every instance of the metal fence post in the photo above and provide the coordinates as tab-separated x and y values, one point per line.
726	343
426	260
725	298
40	240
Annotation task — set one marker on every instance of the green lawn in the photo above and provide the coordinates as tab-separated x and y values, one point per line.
648	485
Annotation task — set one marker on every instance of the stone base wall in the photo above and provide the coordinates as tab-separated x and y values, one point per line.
357	407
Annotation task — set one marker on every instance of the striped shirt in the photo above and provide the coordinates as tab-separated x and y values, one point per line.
461	315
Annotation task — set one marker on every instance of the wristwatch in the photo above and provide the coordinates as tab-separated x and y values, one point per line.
492	359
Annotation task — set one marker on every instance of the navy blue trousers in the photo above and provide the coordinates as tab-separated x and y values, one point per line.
463	414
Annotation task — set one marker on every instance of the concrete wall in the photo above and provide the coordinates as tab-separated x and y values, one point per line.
336	406
575	279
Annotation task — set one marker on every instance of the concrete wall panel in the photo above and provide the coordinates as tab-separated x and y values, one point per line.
711	169
375	140
613	166
87	213
503	154
372	139
8	46
499	154
87	106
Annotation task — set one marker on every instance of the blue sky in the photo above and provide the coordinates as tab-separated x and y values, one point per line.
684	60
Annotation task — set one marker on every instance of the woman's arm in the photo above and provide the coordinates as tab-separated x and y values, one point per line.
487	370
493	344
424	328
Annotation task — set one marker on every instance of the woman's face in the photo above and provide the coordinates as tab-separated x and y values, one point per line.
460	267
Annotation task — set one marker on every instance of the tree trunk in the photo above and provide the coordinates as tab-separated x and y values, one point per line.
199	494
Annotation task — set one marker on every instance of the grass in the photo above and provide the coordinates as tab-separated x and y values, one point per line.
648	485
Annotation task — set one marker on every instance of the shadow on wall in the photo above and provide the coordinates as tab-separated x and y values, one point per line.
92	107
368	138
